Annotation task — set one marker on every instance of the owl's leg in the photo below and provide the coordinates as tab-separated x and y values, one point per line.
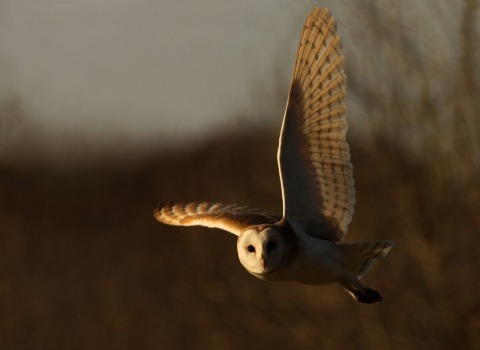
357	290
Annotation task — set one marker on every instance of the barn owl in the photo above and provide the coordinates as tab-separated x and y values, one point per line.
317	183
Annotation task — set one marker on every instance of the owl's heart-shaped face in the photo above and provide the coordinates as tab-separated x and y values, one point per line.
261	249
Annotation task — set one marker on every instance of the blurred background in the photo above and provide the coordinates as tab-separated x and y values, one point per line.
108	108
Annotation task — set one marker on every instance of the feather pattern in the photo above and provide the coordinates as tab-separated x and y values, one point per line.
232	218
313	156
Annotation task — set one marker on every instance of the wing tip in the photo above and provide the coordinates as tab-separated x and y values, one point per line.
163	211
177	212
158	212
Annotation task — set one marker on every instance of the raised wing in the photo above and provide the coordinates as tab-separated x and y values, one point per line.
313	156
231	218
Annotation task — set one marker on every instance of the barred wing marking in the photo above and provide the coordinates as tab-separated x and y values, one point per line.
231	218
313	155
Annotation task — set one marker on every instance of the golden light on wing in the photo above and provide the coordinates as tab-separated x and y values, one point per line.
313	156
229	217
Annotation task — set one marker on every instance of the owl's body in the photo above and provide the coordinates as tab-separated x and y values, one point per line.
307	260
314	261
316	176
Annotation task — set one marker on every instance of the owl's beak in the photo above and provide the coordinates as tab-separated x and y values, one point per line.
263	260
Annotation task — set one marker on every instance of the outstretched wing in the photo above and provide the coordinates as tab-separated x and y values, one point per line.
231	218
313	156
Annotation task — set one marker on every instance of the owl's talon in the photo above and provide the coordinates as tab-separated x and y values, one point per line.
369	297
373	294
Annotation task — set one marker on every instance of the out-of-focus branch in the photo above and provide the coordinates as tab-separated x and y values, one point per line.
418	79
469	40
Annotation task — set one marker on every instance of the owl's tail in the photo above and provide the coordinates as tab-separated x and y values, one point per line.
360	256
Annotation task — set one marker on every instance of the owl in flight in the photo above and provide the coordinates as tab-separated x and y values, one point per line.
316	179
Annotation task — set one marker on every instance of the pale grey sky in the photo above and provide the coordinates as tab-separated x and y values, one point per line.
147	70
139	68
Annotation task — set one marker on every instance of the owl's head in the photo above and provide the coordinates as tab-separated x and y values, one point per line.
261	249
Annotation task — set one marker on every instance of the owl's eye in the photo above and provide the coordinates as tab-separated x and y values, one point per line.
271	245
251	248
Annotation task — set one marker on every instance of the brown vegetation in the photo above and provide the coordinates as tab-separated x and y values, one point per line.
84	264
